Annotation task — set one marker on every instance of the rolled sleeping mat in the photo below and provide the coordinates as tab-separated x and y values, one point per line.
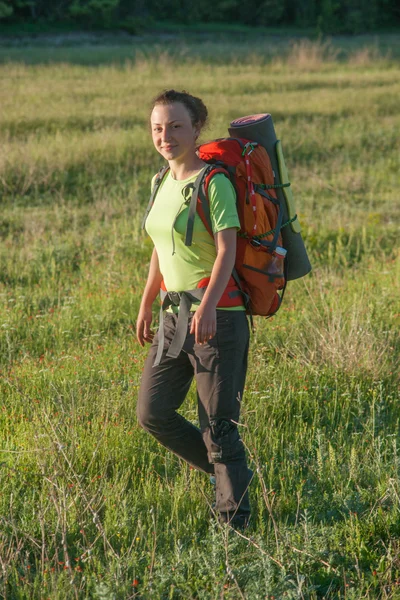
260	129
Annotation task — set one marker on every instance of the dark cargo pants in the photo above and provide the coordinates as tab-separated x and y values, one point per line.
219	367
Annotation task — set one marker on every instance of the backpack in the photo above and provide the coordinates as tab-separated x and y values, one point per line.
249	169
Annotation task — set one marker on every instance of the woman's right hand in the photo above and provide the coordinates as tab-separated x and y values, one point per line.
143	331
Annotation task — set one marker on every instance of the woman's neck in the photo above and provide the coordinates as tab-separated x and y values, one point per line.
184	170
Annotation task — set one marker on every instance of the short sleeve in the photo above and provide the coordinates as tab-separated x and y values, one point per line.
222	197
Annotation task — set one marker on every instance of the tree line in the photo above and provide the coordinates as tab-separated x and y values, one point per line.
326	16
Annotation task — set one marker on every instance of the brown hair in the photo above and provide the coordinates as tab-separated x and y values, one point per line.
195	106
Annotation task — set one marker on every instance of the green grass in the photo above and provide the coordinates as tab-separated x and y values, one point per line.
90	505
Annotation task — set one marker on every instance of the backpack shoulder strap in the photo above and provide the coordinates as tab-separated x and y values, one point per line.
159	178
199	202
193	205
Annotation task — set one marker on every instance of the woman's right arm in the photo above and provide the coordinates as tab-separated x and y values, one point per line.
151	291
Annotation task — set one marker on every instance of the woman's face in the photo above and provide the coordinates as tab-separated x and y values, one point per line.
174	135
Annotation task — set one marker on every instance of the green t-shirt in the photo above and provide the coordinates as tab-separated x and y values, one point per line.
183	266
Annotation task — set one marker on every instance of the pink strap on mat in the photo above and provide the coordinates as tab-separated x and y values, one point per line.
248	149
250	119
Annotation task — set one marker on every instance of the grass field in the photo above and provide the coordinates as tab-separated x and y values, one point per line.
92	507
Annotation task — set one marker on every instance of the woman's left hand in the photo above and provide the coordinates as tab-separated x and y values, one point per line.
204	324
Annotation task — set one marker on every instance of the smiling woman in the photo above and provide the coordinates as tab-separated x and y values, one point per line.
174	131
198	337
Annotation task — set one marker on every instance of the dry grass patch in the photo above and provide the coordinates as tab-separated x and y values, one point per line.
347	327
368	56
308	55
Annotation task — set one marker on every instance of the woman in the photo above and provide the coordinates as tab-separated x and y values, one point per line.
214	345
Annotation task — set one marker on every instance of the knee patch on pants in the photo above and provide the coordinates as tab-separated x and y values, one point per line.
223	441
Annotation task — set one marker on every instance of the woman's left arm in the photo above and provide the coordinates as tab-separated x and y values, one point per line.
204	323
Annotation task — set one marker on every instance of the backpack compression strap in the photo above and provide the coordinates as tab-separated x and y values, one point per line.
276	231
159	178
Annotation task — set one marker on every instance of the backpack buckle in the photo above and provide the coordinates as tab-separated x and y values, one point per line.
246	148
255	243
175	298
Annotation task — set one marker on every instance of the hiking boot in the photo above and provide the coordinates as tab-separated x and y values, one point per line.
237	519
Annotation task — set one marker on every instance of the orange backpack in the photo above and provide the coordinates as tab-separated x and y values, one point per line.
250	171
248	167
